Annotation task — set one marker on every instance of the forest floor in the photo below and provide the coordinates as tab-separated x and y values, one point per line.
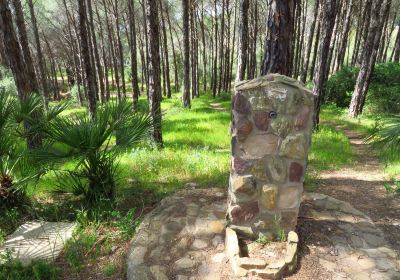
363	185
360	183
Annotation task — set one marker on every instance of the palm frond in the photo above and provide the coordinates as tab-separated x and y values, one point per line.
387	137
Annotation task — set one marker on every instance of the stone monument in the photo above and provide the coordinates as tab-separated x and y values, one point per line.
272	120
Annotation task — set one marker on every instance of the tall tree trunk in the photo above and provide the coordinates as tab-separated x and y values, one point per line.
346	29
153	35
310	43
321	71
120	48
99	67
396	49
134	74
243	39
90	81
104	57
277	52
186	56
176	79
17	58
166	55
215	60
368	57
41	63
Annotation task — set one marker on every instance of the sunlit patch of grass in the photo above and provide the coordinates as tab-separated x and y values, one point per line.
330	149
365	125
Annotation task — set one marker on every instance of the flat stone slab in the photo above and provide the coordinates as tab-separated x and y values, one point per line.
183	239
38	241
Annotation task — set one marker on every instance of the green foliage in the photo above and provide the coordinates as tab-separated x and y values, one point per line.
384	90
7	84
127	223
109	269
82	245
386	137
392	187
11	269
262	239
340	86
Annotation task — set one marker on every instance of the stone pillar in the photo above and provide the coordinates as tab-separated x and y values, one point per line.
271	132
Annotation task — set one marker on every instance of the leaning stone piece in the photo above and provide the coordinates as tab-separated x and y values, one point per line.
249	266
38	241
271	132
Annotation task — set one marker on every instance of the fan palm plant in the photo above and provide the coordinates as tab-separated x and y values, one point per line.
89	141
387	137
15	169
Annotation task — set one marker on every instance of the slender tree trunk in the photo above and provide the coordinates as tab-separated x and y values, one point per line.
153	34
277	52
368	59
134	74
243	39
120	48
186	56
99	67
343	45
396	49
215	61
17	58
321	75
91	88
176	79
166	55
41	62
310	43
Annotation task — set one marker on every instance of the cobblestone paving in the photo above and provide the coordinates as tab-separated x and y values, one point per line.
183	239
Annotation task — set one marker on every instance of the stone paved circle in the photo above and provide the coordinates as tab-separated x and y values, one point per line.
183	239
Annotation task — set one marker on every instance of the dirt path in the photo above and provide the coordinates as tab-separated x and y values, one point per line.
361	184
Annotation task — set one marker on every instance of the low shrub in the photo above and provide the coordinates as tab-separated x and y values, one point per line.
384	90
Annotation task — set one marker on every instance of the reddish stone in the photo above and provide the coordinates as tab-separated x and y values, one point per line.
295	172
243	128
261	120
302	118
244	212
241	166
241	104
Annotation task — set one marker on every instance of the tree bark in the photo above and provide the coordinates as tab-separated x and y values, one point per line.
41	63
24	75
243	39
368	59
277	54
186	56
91	87
310	43
321	75
153	35
134	74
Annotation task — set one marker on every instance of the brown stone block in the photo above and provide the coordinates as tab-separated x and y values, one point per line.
241	104
261	120
241	166
289	197
294	146
260	145
302	118
269	195
243	128
244	184
295	172
244	212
